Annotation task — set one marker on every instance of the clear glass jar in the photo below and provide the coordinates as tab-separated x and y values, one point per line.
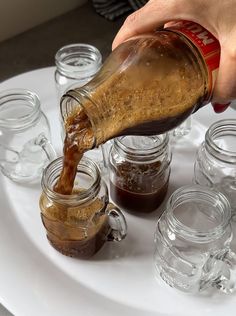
76	64
149	84
139	170
215	164
79	224
25	147
192	241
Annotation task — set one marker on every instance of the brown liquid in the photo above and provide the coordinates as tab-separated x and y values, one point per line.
63	224
79	138
157	87
75	231
139	188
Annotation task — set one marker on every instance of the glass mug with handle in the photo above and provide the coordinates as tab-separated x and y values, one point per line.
215	164
78	225
25	147
193	239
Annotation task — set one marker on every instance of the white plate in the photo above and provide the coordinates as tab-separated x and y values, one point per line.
37	280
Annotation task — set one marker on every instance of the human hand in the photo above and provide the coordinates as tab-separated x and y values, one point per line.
216	16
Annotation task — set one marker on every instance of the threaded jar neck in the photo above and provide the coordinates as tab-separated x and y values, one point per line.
197	213
78	61
220	140
19	109
90	180
142	148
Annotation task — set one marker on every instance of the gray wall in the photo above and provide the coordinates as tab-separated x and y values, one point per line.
17	16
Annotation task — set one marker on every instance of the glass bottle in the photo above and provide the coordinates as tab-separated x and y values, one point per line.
139	170
149	84
25	147
78	225
193	239
215	164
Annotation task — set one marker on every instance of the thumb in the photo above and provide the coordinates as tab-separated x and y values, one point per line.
225	86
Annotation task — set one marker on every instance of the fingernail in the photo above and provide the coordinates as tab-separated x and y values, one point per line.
219	108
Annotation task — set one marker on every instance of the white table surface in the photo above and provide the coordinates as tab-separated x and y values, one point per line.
7	84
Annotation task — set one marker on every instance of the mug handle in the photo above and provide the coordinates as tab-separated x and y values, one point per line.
117	223
47	147
223	271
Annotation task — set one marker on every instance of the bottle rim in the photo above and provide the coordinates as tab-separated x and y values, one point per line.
52	172
218	129
201	194
13	97
78	61
157	147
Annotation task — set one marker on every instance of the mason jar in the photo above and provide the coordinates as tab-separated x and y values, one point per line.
75	64
193	241
215	164
139	170
78	224
25	147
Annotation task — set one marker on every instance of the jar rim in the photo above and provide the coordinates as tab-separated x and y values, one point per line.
221	128
22	95
65	56
52	172
189	193
157	147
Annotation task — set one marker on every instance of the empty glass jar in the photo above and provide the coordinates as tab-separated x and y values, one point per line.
215	164
192	241
139	170
25	147
79	224
75	64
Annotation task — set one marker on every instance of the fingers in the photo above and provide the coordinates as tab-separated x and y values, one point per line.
219	108
153	15
225	86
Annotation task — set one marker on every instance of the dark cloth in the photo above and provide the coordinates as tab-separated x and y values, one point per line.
112	9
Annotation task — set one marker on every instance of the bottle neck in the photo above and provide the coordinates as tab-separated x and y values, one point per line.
19	109
78	61
220	141
90	180
198	214
79	99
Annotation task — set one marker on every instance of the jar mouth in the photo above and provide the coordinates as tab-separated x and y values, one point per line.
141	148
221	138
19	108
197	213
78	60
87	169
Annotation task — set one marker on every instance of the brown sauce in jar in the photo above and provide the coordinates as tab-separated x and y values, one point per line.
75	231
69	231
139	188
